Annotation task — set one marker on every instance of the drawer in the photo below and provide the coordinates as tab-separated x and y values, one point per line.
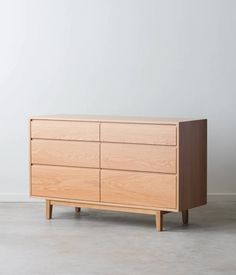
139	133
65	182
151	158
67	153
68	130
138	188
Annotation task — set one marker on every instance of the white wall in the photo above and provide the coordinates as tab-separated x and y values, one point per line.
122	57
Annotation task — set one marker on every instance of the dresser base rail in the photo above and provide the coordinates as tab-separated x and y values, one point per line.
158	213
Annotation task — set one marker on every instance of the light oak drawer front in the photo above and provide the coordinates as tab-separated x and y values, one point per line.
68	130
138	188
151	158
65	182
139	133
67	153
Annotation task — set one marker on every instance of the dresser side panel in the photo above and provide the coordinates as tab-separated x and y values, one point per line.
192	164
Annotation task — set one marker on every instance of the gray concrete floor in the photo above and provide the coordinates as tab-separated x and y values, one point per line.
107	243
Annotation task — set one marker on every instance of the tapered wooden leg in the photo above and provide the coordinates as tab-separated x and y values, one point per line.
48	209
185	216
77	209
159	220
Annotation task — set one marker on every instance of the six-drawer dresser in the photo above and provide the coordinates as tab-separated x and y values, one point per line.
139	165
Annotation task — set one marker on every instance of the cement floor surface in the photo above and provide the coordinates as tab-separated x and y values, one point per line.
113	243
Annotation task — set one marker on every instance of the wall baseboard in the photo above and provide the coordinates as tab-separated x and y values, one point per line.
22	197
17	197
221	194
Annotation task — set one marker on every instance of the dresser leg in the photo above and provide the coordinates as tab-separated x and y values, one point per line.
159	220
77	209
48	209
185	216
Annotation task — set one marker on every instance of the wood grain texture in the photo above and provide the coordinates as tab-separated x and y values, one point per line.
151	158
68	130
192	164
121	208
134	164
29	140
65	153
65	182
48	209
138	133
115	205
138	188
159	221
113	119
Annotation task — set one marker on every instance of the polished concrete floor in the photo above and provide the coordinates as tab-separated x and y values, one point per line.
107	243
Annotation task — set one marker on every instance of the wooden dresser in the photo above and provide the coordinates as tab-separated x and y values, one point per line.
141	165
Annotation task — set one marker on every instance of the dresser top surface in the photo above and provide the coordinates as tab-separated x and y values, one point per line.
106	118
